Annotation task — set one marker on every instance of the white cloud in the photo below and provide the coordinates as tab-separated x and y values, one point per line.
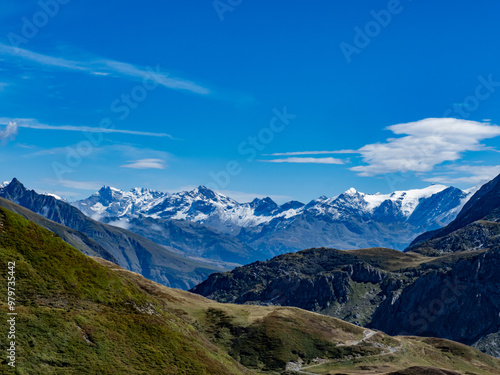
9	132
34	124
146	164
426	143
306	160
64	195
313	153
475	175
121	223
80	185
105	67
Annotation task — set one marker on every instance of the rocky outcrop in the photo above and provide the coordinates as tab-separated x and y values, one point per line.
475	236
364	273
462	304
315	279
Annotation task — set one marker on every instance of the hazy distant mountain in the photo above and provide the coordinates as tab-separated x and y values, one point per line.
191	239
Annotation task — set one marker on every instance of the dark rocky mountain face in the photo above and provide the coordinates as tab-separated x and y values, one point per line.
483	205
47	206
475	236
462	304
263	207
130	250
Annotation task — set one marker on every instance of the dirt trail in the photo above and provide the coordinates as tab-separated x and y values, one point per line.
367	334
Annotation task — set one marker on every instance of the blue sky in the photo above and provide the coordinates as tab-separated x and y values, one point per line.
288	100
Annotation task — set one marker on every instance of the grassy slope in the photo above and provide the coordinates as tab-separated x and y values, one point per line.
78	316
393	260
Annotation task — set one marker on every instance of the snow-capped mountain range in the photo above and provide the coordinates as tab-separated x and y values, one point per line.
200	205
351	219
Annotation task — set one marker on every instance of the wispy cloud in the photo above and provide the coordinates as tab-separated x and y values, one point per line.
146	164
117	152
105	67
79	185
9	132
474	174
297	153
13	124
306	160
426	144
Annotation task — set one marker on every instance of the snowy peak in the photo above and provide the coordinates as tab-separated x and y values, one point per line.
107	194
410	199
204	192
292	205
263	207
110	201
405	201
351	191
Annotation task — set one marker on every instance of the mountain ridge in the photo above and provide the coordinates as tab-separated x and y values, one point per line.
344	221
